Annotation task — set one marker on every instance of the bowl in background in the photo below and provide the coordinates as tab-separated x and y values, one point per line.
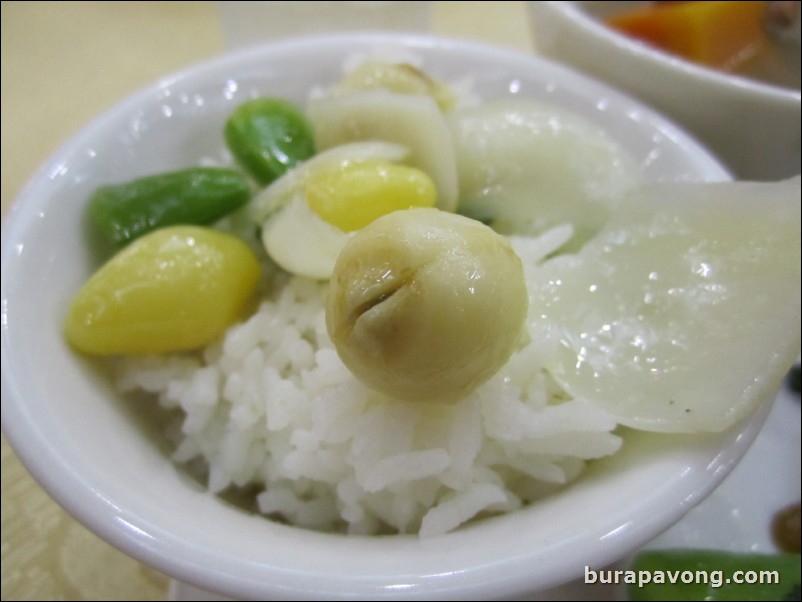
105	461
753	127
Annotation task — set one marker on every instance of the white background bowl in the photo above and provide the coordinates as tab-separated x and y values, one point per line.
753	127
103	458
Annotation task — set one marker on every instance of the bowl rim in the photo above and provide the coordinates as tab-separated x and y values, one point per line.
575	12
86	504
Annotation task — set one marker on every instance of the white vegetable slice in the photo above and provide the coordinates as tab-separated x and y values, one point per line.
529	166
683	314
299	241
412	121
283	190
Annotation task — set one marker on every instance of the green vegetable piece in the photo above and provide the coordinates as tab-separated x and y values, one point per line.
268	136
199	195
714	575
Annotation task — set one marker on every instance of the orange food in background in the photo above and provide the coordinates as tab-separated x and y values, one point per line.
721	35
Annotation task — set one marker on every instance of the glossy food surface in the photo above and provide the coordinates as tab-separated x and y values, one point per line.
425	304
174	289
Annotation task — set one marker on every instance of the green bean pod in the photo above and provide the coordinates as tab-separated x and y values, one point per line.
199	195
267	137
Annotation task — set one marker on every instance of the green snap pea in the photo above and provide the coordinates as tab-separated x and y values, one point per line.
199	195
267	137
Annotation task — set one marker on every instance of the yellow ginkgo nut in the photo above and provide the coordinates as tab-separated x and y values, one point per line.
352	197
174	289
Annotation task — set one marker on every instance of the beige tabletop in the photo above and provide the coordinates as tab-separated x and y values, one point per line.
63	63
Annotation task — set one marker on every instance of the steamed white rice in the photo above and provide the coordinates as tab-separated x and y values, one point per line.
272	408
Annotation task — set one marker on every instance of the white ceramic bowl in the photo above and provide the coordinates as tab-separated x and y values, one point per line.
103	459
753	127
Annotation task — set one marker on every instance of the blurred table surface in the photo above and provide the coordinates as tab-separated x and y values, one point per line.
64	63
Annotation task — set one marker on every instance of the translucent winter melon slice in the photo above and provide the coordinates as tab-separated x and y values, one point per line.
683	314
527	166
